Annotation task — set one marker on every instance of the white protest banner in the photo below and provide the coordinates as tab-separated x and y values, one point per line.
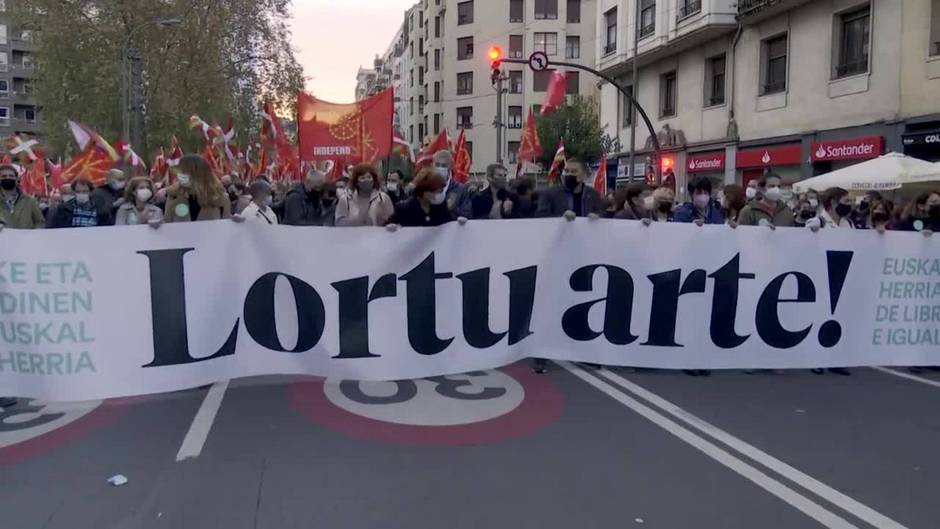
108	312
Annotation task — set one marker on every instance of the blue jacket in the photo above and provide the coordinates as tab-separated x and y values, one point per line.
712	214
458	200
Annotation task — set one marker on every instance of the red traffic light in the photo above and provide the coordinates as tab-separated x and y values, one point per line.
667	164
495	54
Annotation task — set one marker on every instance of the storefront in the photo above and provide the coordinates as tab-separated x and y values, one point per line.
828	156
709	164
922	141
785	160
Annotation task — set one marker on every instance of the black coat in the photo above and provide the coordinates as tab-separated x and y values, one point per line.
482	204
410	214
61	216
553	202
302	209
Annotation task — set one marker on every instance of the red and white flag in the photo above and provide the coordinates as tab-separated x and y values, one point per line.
600	179
554	173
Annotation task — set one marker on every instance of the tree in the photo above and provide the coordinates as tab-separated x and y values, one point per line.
224	58
578	124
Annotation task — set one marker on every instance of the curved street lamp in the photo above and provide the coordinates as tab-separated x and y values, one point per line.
125	70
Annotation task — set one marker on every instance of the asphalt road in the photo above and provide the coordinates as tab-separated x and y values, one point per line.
573	448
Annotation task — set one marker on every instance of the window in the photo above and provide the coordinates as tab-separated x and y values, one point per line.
628	111
27	62
853	46
30	115
515	118
421	134
515	82
573	47
411	105
421	19
667	95
421	75
4	61
411	133
421	104
437	27
574	11
464	83
515	46
775	65
437	123
465	13
4	114
516	10
715	81
540	80
546	9
514	152
411	77
437	92
3	34
574	81
437	60
464	117
4	86
547	42
464	48
647	18
611	43
3	6
935	28
469	146
688	8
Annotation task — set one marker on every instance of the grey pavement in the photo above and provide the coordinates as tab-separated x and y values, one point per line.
598	463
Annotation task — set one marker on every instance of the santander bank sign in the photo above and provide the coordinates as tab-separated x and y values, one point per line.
854	149
706	162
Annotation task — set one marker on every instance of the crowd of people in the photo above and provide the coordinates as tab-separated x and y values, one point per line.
433	197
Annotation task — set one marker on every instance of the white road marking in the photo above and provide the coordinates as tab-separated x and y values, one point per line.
860	510
202	422
805	505
908	376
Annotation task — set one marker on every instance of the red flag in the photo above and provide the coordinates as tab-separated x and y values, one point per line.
34	180
555	95
130	157
286	162
159	166
55	169
360	132
462	160
94	159
558	162
531	148
402	147
441	143
600	179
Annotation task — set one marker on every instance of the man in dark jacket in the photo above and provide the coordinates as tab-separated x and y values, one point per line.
702	209
308	203
81	211
494	200
109	197
571	199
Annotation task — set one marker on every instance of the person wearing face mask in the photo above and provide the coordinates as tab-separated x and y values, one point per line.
835	211
494	200
751	192
238	195
364	203
526	198
259	209
921	214
197	195
572	198
17	210
458	196
732	202
428	206
638	203
138	206
110	196
702	209
881	216
768	208
395	187
662	206
81	211
307	203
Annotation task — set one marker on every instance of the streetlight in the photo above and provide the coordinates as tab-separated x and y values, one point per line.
126	73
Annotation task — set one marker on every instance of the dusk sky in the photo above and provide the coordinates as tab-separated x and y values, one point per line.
334	37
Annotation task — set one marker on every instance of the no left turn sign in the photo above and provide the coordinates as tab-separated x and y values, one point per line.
538	61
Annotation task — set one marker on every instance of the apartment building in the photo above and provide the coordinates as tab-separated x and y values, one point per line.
18	110
735	88
448	81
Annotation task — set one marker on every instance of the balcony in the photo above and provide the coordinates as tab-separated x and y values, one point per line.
464	125
21	125
753	11
21	72
647	30
690	8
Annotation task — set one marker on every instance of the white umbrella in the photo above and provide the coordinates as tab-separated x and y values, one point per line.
884	173
930	173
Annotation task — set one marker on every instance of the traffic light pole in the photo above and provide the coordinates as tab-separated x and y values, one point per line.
649	124
498	122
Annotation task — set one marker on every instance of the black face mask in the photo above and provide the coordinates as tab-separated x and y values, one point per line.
664	207
8	184
934	212
863	206
806	214
843	210
571	182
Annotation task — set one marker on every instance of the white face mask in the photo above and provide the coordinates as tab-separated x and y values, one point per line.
144	194
649	203
392	186
117	185
813	203
443	172
435	198
67	197
773	194
751	193
184	179
82	198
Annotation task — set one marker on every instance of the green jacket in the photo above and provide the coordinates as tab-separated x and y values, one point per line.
754	212
23	214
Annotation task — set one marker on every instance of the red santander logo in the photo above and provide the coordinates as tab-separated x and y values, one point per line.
707	162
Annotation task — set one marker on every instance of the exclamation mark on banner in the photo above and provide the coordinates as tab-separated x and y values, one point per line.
838	262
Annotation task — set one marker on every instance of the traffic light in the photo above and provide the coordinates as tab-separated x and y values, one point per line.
496	61
667	164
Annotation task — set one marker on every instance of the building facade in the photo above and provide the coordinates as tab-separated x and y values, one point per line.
18	111
447	85
734	88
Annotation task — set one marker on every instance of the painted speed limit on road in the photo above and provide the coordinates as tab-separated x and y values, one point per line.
470	408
